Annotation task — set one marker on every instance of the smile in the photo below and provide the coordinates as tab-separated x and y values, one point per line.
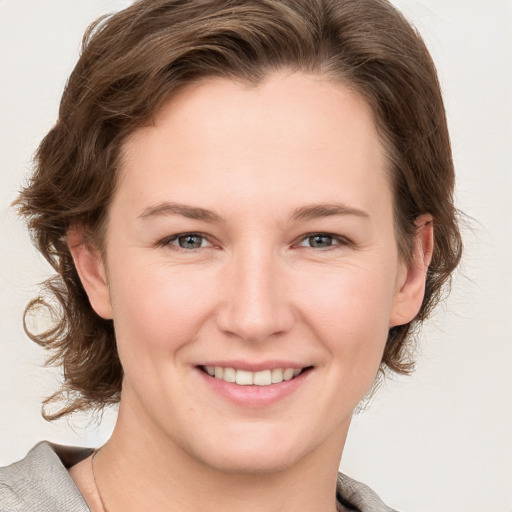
248	378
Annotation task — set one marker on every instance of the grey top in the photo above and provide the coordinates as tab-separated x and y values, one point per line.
41	483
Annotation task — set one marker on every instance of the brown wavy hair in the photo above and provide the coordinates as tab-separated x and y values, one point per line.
132	62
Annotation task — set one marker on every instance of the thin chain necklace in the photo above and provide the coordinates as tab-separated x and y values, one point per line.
96	483
339	506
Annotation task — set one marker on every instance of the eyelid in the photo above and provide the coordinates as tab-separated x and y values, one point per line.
340	240
166	242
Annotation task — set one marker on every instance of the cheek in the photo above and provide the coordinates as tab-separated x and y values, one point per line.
158	308
351	293
350	313
351	321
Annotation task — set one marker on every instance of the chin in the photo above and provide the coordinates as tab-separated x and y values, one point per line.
251	463
257	453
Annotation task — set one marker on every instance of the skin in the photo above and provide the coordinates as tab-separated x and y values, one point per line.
261	160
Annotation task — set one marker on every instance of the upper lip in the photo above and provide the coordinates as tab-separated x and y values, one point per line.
254	366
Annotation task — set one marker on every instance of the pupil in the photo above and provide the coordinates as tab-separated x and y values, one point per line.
320	241
190	241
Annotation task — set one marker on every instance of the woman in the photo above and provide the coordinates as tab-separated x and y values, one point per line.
240	199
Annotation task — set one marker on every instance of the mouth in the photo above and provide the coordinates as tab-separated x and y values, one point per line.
248	378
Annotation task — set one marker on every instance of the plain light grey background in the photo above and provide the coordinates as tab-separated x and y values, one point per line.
439	440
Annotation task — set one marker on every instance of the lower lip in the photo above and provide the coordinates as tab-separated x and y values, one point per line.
254	396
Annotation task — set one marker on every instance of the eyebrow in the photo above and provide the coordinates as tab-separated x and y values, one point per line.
191	212
317	211
309	212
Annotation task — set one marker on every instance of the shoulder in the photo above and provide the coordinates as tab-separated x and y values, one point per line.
360	497
41	481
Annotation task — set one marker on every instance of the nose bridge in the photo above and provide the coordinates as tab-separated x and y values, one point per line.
255	304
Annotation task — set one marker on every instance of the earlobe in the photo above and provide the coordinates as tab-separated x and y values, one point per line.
91	270
411	286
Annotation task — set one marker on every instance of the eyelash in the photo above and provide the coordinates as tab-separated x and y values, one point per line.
339	241
168	241
336	239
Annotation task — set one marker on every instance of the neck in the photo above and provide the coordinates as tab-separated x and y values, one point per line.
141	469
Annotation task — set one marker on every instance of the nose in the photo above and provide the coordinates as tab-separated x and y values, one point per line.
255	305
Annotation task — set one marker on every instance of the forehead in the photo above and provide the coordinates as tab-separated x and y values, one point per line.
293	133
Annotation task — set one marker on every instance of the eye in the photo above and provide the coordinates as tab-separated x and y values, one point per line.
187	241
322	241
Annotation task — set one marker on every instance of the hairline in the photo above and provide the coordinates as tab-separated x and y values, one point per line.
387	147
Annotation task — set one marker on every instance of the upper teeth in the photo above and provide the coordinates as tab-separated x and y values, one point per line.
246	378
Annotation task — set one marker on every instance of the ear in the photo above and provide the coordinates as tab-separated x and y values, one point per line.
91	270
410	288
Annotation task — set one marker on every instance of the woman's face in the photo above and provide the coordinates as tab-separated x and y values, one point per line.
251	236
